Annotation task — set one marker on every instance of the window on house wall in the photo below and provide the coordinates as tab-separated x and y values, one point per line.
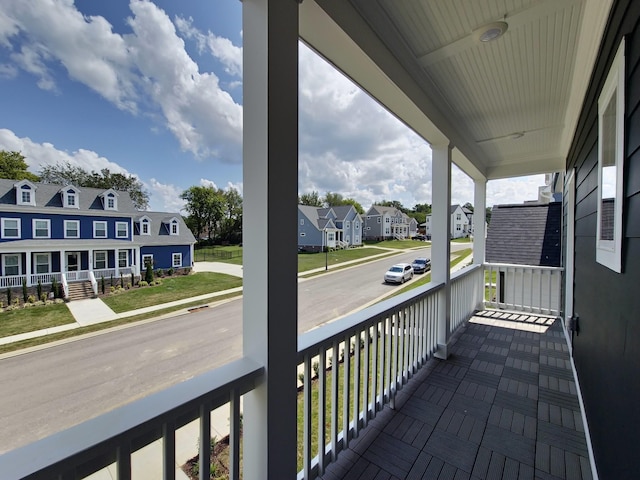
458	217
174	227
41	228
26	196
10	228
379	220
100	260
71	229
176	259
302	221
611	164
302	234
42	262
11	264
145	228
147	260
122	230
99	229
123	259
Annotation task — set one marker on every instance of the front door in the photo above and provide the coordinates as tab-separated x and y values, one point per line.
73	261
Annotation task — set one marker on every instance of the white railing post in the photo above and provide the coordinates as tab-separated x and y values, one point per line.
440	239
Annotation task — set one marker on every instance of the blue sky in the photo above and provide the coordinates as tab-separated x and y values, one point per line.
154	89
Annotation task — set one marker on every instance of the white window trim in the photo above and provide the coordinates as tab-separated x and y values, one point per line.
4	263
173	260
4	220
171	225
95	259
144	262
118	224
33	224
69	222
35	263
126	259
609	252
145	223
106	231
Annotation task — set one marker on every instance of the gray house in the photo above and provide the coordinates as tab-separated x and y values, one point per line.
349	222
385	223
333	227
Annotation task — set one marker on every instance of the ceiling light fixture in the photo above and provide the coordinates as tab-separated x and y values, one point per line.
491	32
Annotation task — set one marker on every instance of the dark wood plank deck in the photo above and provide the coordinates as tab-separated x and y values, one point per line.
503	406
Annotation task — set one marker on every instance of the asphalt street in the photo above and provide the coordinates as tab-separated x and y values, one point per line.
54	388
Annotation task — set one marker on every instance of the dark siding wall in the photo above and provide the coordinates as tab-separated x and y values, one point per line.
607	349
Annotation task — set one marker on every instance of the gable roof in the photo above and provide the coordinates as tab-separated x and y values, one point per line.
49	199
317	216
526	234
159	232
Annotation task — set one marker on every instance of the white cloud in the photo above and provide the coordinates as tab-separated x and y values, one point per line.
165	197
38	155
208	183
221	48
148	68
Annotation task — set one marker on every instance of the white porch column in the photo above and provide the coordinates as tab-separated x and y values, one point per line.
116	261
137	270
270	175
479	220
28	266
440	239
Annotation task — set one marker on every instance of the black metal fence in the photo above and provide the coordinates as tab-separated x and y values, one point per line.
215	254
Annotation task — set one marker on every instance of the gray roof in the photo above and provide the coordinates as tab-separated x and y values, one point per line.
525	234
160	231
316	216
48	199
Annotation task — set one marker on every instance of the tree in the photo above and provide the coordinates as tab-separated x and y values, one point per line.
206	208
232	222
336	200
63	173
14	167
422	208
488	215
312	199
468	206
393	203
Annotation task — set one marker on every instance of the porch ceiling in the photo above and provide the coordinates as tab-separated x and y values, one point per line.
509	107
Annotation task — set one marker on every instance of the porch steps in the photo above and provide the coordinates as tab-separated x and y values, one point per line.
80	291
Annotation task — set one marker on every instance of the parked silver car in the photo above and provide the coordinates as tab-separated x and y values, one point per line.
399	273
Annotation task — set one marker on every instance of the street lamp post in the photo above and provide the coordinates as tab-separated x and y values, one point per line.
326	251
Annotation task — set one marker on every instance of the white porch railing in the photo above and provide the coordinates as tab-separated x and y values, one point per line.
113	438
374	352
107	273
523	288
466	295
77	275
45	278
11	281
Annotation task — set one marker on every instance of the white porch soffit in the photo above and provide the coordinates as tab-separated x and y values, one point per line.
509	107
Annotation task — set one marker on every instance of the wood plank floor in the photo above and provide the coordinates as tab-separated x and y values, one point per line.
503	406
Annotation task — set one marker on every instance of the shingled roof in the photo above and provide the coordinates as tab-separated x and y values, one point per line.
525	234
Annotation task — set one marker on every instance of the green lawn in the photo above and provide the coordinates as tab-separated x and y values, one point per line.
33	318
398	244
311	261
171	289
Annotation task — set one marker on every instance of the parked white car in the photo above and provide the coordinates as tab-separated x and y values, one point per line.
399	273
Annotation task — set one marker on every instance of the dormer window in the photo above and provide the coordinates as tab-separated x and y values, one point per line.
174	227
70	197
25	193
145	226
109	199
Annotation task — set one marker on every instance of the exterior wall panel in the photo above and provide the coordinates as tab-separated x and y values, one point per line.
607	347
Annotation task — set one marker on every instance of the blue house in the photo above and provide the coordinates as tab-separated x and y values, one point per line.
73	234
333	227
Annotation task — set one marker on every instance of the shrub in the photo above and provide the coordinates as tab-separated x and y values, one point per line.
9	296
301	377
171	271
102	286
143	283
31	299
160	272
39	289
16	302
133	279
111	277
128	285
121	280
25	293
43	297
148	273
112	289
54	287
316	368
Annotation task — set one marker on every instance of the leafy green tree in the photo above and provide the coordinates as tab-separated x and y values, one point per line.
312	199
14	167
394	204
206	208
468	206
488	215
356	205
336	199
63	173
422	208
231	225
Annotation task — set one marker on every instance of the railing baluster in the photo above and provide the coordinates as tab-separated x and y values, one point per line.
205	441
366	376
322	408
169	451
123	461
235	425
306	420
375	370
394	359
346	397
356	383
335	372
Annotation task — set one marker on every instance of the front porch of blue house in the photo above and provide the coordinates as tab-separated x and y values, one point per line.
67	265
